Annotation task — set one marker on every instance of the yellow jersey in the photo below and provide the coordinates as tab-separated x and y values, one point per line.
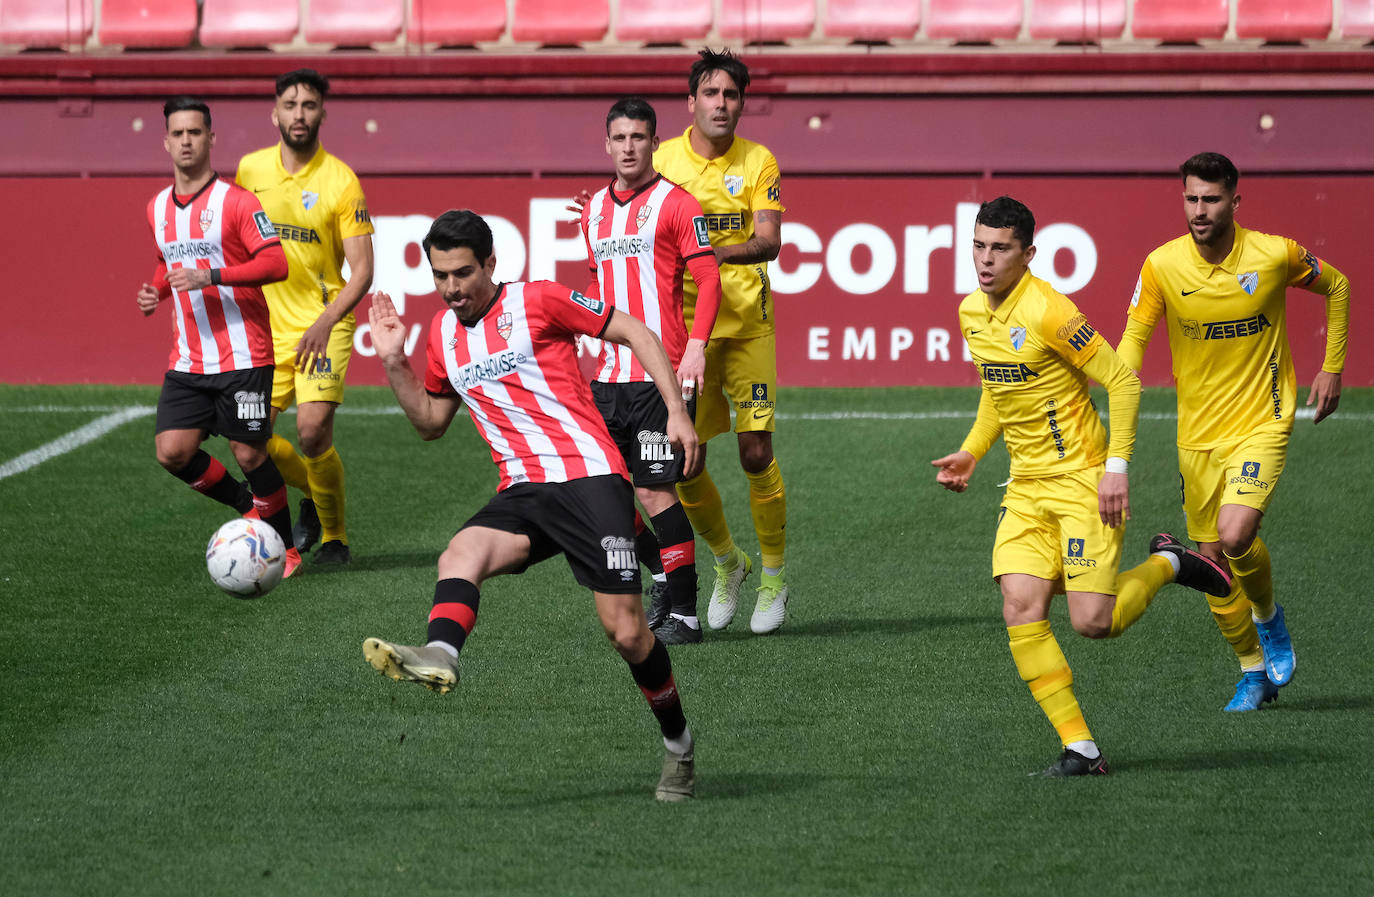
730	189
314	211
1029	354
1228	333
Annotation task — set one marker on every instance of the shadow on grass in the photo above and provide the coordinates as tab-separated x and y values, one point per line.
1321	703
726	786
858	626
396	560
1211	761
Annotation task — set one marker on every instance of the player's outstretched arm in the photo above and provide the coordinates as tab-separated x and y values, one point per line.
429	414
627	330
955	469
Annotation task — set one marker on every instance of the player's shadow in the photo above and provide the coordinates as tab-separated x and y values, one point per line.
1320	703
1213	760
395	560
840	627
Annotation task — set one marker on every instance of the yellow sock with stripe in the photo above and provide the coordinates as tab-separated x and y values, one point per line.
701	501
289	463
1046	671
326	474
1232	614
1135	589
1255	577
768	503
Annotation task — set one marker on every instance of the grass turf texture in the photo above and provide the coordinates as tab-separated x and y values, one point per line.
163	738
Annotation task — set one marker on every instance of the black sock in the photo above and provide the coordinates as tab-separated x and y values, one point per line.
654	676
269	497
646	547
208	477
677	548
454	612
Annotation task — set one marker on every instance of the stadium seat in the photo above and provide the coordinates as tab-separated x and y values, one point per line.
766	21
1077	21
456	23
663	21
248	23
872	20
46	23
147	23
353	23
1357	18
1180	21
974	21
561	22
1283	20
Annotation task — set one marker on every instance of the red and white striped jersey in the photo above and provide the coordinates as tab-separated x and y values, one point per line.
516	370
218	328
638	247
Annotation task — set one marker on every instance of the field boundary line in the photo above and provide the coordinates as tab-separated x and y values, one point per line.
74	440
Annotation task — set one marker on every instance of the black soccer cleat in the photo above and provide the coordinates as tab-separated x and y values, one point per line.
1072	763
306	532
673	631
659	604
333	554
1195	570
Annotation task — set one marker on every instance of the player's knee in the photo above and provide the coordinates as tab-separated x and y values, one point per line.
174	459
315	440
1093	627
755	454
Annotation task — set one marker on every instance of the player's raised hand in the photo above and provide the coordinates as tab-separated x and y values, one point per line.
388	331
955	470
1325	394
579	202
147	299
1114	499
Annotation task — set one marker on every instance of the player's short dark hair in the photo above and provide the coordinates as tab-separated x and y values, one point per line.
457	228
1214	168
709	61
184	104
635	109
1007	212
309	77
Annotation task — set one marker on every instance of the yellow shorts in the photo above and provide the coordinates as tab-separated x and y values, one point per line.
1049	527
742	373
322	385
1245	472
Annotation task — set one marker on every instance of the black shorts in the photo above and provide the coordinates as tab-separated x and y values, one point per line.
591	520
638	422
234	404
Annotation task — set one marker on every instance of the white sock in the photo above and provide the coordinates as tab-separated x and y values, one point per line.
692	621
771	571
452	651
660	577
1172	559
1266	619
680	745
723	559
1086	748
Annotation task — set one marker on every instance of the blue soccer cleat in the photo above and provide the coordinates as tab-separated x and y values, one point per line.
1253	690
1279	660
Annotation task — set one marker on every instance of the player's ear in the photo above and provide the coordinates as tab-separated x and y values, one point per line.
276	123
1030	253
490	264
212	138
653	144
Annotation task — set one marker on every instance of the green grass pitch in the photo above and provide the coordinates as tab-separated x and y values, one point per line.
160	738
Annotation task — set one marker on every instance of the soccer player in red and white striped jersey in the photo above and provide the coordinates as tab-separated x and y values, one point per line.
508	352
642	233
216	249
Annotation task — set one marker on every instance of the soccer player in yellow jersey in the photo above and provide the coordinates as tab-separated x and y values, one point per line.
1063	516
739	188
1223	291
319	210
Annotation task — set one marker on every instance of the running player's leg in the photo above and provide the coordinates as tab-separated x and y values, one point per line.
242	417
319	392
185	414
677	553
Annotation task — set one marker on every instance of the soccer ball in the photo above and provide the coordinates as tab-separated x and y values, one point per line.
246	558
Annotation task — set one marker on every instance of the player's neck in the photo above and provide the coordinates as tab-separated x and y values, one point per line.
293	160
1216	251
707	148
187	183
624	186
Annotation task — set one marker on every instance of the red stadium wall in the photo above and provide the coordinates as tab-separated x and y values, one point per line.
867	285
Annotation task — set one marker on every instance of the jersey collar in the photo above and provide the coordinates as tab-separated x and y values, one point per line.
495	301
1230	264
310	167
1003	311
630	197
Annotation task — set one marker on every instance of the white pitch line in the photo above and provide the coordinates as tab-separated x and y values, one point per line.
73	440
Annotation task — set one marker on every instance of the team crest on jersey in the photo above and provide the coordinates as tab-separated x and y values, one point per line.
207	218
309	198
1249	281
643	214
504	325
1018	337
734	184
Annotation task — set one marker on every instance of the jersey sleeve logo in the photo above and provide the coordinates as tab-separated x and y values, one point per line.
1249	281
265	228
1314	267
1135	297
703	236
595	306
775	190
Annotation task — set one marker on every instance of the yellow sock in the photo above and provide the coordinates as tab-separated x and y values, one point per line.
1135	589
327	489
1045	669
1232	614
1253	573
290	463
768	502
701	501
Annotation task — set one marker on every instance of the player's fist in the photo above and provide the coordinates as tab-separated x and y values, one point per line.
147	299
955	470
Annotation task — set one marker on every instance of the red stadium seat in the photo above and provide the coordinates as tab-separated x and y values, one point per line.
766	21
561	21
353	23
872	20
1077	21
974	21
456	22
1357	18
147	23
663	21
1283	20
248	23
46	23
1180	21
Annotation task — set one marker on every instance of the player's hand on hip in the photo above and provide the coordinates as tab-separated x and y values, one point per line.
955	470
313	349
579	201
1325	394
147	299
186	279
683	434
1114	499
388	332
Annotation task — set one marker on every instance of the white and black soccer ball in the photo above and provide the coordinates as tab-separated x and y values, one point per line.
246	558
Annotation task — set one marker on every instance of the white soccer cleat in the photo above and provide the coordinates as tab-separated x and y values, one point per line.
432	667
725	596
771	608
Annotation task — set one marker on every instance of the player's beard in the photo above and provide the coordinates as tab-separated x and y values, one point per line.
311	136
